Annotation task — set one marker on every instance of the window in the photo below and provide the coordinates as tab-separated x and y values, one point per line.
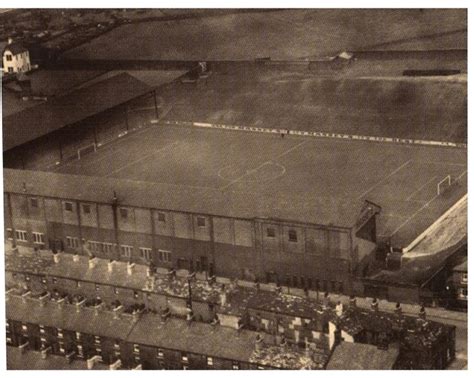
126	250
38	238
95	246
124	213
210	361
464	277
162	217
68	206
184	358
34	202
24	328
9	234
72	242
21	235
135	294
86	209
164	256
145	253
10	69
292	236
9	57
201	222
270	232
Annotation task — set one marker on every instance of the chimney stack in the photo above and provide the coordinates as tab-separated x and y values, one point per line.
352	302
44	298
80	304
117	310
116	365
110	265
130	267
92	262
165	314
10	40
98	308
422	313
189	316
70	357
25	295
326	301
398	309
259	342
374	306
56	257
92	361
45	352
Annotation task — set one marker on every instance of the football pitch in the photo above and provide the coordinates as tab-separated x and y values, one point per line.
402	179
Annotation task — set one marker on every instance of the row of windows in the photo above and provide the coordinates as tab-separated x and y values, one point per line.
38	237
292	235
124	212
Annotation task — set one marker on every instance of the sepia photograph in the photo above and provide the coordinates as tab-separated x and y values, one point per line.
235	188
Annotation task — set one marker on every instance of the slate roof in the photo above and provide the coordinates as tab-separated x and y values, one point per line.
73	107
31	360
67	317
358	356
198	337
15	48
461	267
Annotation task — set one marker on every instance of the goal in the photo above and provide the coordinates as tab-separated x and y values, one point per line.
81	152
444	184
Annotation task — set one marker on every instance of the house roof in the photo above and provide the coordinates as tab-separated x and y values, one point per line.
15	48
461	267
358	356
32	360
67	317
34	122
197	337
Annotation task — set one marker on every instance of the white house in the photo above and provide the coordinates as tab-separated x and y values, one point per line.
16	58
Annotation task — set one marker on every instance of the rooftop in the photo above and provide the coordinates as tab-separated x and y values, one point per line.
461	267
362	357
65	110
32	360
15	48
149	329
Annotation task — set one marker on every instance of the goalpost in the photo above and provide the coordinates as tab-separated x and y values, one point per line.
444	184
86	150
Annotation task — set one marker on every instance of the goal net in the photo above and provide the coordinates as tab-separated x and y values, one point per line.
81	152
444	184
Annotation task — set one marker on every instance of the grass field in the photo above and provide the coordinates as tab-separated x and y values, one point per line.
401	179
289	34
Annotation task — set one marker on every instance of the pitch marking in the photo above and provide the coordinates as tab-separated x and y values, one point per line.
385	178
261	165
142	158
421	187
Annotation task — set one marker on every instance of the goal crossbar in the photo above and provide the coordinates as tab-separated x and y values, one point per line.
444	184
86	150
